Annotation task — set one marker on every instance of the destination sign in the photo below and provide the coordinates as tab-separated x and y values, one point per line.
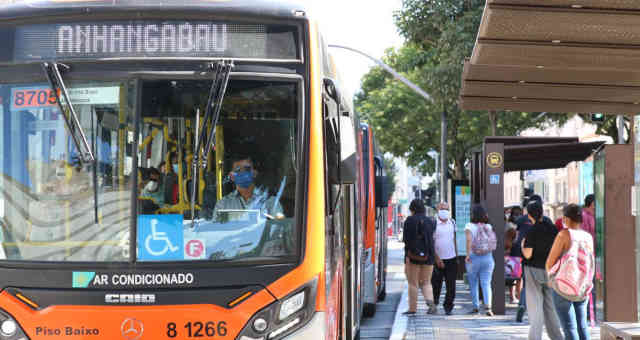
42	96
148	39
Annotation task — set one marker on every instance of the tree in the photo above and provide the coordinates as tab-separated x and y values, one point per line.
609	127
390	171
440	34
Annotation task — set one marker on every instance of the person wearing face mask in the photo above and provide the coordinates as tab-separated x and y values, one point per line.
247	195
154	188
446	267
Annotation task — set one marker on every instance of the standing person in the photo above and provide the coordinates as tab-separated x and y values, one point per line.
524	225
514	215
419	255
535	249
481	241
513	252
512	265
578	243
446	258
588	216
589	225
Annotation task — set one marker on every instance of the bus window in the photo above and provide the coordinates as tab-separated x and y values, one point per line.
245	195
57	208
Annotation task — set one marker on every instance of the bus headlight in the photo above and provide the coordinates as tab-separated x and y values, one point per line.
282	317
9	328
292	305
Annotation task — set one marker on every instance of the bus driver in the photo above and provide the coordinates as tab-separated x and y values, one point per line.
246	196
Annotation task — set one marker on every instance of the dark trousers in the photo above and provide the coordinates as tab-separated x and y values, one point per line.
448	274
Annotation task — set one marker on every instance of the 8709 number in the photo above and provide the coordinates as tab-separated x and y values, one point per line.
199	329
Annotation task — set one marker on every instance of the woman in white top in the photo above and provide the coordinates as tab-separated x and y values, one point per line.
572	314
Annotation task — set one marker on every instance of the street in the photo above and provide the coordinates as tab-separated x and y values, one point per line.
379	327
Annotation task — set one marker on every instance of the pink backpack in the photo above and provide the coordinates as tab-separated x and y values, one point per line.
484	241
512	267
572	276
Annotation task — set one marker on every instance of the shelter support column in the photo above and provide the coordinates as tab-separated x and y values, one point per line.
615	233
493	158
476	178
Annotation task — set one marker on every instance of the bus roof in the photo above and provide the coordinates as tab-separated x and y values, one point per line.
18	9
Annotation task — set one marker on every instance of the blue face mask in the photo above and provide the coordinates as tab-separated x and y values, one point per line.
243	179
175	168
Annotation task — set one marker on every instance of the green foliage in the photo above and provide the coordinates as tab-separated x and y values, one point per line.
390	171
440	34
609	127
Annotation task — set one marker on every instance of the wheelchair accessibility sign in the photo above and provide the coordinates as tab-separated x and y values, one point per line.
160	238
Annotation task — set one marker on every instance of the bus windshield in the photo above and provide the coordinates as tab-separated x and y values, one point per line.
143	134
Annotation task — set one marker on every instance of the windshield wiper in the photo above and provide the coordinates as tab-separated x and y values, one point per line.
204	142
52	72
221	72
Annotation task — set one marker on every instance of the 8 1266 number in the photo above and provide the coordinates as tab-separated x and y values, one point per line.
199	329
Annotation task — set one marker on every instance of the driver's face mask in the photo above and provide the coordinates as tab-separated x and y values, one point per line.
243	176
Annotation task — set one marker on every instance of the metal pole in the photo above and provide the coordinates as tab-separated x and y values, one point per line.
443	157
437	194
620	121
387	68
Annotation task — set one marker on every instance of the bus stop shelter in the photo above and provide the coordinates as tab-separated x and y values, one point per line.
555	56
504	154
573	56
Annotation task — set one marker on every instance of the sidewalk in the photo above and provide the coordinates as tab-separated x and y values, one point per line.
460	325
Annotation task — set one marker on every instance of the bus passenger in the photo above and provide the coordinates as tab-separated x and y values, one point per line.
154	188
246	196
170	179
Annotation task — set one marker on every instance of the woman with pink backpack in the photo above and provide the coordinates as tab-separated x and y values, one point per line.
481	242
571	267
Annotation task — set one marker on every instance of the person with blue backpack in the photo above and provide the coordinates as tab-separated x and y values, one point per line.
481	242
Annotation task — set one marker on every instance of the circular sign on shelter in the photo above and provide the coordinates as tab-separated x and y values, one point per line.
494	160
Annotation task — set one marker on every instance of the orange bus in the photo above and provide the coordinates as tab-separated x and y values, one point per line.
374	217
175	170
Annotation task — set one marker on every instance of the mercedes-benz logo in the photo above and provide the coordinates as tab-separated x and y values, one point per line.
132	329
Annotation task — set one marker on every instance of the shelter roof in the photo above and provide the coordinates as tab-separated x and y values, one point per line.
537	153
555	56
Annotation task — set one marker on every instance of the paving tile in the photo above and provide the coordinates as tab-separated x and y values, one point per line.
460	325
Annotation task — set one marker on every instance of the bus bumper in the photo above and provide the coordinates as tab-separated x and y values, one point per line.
315	329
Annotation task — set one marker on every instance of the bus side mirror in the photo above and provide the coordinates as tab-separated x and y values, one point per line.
332	90
349	164
382	191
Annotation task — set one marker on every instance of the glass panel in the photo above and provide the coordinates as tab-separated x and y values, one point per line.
53	207
244	201
636	199
599	193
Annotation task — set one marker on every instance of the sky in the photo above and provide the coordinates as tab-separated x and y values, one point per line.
366	25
